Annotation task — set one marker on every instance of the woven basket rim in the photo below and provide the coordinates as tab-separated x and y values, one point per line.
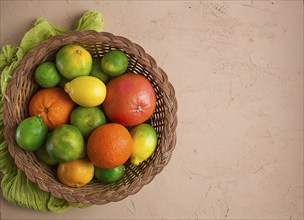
36	173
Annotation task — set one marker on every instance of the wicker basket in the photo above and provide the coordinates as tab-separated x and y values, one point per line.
22	86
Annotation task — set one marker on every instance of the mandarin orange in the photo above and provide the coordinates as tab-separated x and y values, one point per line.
53	105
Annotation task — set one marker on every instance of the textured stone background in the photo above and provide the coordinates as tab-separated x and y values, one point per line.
237	67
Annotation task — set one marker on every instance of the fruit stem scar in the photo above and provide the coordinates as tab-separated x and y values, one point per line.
139	109
78	52
46	110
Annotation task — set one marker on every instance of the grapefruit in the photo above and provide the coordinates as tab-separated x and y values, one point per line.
130	99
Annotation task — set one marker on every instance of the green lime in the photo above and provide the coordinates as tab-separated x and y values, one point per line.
114	63
62	82
110	175
47	75
65	144
97	71
87	119
43	156
31	133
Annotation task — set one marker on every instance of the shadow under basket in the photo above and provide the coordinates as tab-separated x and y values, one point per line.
22	87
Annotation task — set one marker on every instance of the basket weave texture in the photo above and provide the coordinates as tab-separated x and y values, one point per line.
22	87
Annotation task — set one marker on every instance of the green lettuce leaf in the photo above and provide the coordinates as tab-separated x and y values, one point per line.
91	20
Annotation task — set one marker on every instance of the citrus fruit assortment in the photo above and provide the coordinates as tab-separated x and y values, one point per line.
90	117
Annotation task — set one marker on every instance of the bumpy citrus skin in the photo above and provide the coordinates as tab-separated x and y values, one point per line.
53	105
76	173
73	61
109	146
87	91
31	133
65	144
144	139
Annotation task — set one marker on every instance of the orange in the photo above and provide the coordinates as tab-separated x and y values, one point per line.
75	173
109	146
130	99
53	105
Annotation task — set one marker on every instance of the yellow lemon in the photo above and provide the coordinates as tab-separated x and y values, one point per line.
87	91
144	139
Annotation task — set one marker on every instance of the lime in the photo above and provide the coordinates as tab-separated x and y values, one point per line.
87	119
31	133
110	175
43	156
87	91
144	139
65	143
47	75
114	63
62	82
73	61
97	71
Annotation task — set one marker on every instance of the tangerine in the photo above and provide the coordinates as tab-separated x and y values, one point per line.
109	146
73	61
75	173
53	105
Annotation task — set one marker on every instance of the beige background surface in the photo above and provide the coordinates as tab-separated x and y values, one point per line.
237	67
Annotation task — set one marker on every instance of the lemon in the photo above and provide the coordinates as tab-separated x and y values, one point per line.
144	139
87	91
